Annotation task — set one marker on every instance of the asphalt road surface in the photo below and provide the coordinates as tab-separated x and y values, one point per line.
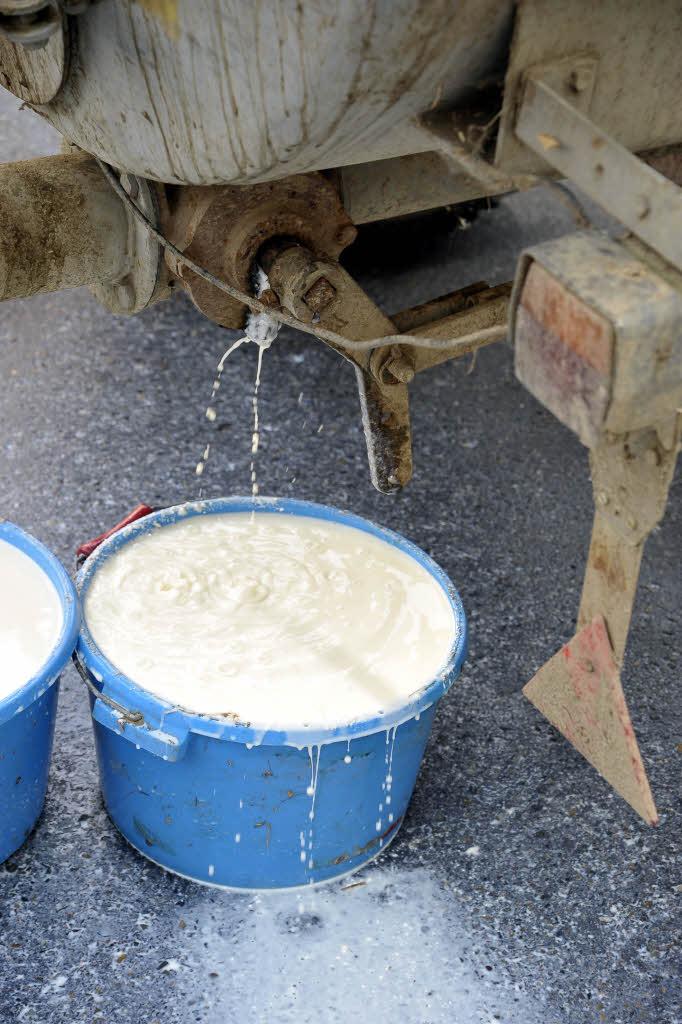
520	888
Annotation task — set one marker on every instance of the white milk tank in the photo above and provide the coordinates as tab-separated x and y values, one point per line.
282	621
30	618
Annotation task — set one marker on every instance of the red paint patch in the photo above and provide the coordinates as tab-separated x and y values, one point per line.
579	691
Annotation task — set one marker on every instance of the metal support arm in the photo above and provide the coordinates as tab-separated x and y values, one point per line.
319	291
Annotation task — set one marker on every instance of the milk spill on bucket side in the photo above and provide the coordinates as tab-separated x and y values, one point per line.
312	792
389	775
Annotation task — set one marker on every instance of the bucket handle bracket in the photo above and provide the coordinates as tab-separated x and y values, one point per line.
133	717
117	718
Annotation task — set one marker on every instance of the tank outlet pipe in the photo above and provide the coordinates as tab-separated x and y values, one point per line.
61	226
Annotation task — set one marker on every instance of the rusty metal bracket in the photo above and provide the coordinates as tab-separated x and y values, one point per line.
320	291
462	313
579	689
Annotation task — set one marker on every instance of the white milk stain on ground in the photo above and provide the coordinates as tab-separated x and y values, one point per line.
385	946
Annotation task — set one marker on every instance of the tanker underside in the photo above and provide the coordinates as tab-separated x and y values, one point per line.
198	154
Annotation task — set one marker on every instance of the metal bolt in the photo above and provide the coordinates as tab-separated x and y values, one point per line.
580	78
346	234
320	295
270	299
642	207
589	666
397	369
602	498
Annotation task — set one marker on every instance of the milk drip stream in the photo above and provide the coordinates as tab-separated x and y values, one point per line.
262	330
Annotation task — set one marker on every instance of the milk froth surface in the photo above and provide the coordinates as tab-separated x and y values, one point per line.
282	620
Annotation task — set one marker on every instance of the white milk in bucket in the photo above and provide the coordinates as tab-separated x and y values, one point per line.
30	618
279	620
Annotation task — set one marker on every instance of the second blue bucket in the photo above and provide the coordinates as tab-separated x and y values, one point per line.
225	804
27	716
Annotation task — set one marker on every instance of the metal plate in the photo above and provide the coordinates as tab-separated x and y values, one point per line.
627	188
579	691
638	82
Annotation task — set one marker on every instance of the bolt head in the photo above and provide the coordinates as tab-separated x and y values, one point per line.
580	78
397	369
401	370
346	234
318	297
270	299
642	207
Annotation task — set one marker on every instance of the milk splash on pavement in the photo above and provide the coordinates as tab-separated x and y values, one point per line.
390	946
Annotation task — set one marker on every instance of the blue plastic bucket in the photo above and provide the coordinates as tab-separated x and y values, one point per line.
27	716
221	803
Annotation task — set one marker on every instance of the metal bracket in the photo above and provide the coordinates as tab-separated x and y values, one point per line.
136	289
627	188
631	476
579	692
597	340
320	291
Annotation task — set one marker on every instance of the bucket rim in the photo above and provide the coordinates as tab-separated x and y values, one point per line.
49	671
155	709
